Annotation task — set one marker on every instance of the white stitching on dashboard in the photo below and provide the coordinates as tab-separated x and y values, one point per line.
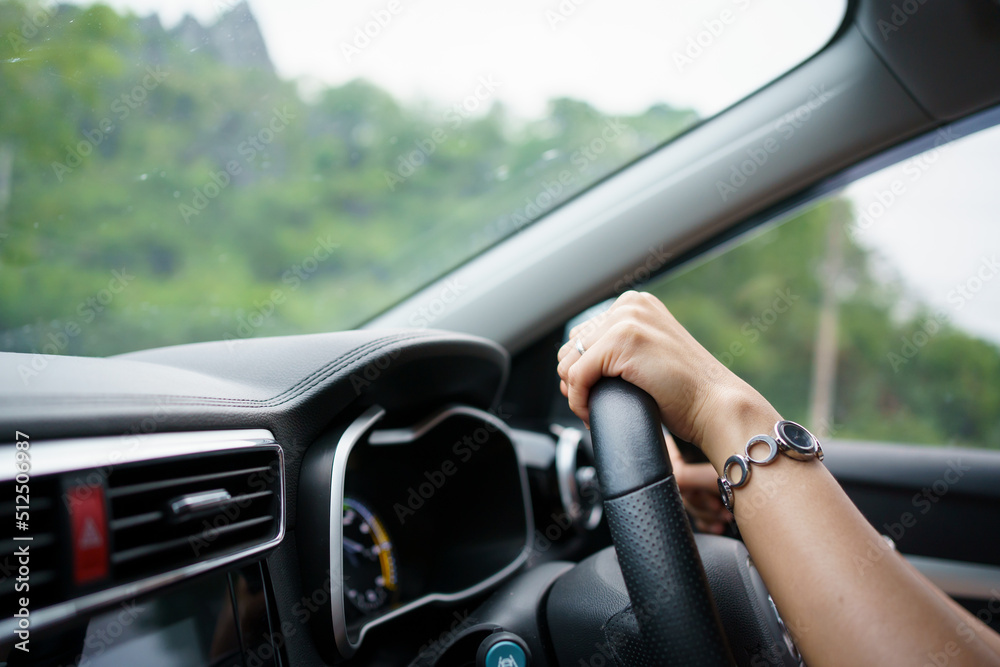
356	355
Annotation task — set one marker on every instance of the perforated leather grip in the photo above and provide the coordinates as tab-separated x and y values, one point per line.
678	621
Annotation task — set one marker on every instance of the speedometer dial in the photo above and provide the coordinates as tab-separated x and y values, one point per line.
370	579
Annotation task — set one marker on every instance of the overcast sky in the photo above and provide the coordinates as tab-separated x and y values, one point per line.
940	227
621	55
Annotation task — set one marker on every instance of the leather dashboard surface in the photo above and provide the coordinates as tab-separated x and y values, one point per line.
294	385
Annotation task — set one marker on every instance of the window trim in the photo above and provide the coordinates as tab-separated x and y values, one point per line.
777	213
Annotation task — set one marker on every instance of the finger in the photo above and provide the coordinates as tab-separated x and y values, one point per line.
597	323
565	362
679	465
581	372
675	453
586	338
569	351
582	375
585	327
600	320
569	356
567	347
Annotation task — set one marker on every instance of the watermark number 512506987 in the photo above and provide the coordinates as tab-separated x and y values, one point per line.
22	517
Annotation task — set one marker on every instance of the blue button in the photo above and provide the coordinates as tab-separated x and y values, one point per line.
506	654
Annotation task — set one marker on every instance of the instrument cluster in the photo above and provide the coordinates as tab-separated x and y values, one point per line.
435	511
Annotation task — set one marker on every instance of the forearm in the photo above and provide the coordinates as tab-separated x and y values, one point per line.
969	621
830	573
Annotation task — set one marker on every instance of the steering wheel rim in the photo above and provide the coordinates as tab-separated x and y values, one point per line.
674	608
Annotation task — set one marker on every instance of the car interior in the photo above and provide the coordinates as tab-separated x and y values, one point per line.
396	494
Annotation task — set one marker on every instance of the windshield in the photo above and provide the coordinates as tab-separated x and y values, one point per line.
173	172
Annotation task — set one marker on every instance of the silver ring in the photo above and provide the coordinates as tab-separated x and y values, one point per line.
740	462
772	449
579	347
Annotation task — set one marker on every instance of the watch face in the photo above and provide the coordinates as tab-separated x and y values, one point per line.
796	437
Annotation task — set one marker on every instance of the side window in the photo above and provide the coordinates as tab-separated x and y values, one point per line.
873	314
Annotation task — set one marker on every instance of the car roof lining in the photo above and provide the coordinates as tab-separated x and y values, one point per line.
950	78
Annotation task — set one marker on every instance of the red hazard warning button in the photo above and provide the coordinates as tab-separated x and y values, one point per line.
89	527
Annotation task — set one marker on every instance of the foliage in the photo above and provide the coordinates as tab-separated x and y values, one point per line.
235	207
889	386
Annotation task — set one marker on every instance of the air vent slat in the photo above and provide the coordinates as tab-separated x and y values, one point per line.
123	557
178	482
136	520
246	497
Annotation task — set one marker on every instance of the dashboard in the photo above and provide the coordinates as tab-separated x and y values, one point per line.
289	501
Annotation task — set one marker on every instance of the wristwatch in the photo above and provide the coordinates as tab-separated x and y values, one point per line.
791	439
796	441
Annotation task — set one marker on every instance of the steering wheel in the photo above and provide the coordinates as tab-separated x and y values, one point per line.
660	596
673	605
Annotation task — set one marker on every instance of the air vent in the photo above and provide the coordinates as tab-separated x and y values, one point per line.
42	547
179	505
171	513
